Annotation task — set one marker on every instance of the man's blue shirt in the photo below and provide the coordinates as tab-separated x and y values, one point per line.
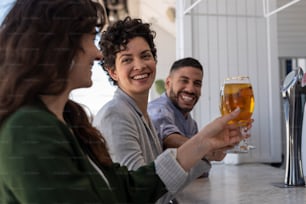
168	119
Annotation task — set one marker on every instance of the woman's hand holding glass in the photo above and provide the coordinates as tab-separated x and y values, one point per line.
218	135
223	134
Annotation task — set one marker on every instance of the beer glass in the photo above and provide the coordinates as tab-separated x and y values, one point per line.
237	92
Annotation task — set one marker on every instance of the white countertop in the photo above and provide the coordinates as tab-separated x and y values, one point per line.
247	183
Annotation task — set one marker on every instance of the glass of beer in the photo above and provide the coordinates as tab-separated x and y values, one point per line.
237	92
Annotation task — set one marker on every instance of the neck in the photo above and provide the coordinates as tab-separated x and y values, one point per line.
142	102
141	99
55	104
185	114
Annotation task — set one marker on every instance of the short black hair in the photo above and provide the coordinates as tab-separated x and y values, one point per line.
186	62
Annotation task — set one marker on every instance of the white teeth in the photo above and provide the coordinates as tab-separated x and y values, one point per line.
187	98
141	76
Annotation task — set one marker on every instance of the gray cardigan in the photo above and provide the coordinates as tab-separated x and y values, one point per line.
132	141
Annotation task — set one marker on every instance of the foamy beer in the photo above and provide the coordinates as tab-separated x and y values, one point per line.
238	92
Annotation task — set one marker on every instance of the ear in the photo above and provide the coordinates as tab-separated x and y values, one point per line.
167	84
113	73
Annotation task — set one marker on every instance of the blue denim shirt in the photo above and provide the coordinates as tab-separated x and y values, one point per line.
168	119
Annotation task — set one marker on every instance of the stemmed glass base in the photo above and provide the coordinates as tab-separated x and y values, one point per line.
243	146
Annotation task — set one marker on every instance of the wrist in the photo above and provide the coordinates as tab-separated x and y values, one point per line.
204	145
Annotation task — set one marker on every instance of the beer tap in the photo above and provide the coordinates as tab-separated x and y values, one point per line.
294	95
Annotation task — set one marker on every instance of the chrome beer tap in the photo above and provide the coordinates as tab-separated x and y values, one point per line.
294	95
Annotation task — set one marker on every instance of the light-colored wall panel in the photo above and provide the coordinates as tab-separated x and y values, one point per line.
242	46
156	12
292	30
233	38
223	49
214	71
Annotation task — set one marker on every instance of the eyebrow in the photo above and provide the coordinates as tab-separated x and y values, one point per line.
185	77
124	55
145	51
128	54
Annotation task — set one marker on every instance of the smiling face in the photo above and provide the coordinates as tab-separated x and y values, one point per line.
135	68
183	87
80	74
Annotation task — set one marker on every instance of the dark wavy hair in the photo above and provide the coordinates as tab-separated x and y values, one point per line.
118	35
38	40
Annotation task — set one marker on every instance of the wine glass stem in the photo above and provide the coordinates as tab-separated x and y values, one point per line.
245	132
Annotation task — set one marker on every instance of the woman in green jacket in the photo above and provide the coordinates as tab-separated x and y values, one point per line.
49	151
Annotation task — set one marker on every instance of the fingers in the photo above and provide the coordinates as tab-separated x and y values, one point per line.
224	149
230	116
221	134
235	136
250	122
219	156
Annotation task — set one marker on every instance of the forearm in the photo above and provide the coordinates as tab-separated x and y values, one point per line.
192	151
173	175
170	171
174	140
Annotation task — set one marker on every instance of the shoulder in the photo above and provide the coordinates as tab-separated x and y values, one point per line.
33	125
160	107
30	116
113	107
113	112
31	131
161	100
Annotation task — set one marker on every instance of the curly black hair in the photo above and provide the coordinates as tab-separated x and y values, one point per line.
118	35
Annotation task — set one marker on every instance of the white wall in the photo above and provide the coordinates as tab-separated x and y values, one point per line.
166	55
291	27
232	37
155	12
5	6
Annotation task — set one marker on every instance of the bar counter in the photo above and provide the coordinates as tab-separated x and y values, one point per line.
246	184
